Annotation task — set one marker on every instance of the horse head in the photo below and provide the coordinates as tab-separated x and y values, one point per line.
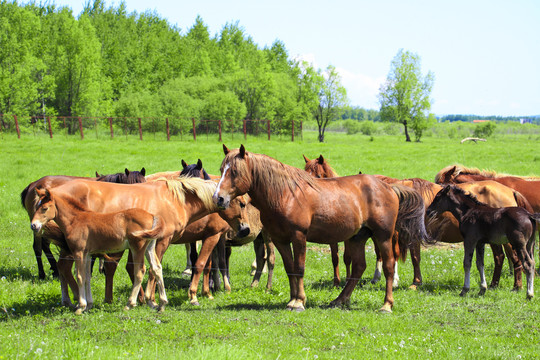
235	176
194	170
46	210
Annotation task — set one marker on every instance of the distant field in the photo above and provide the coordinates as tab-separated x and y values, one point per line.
251	323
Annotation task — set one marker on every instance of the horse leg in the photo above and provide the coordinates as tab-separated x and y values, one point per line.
87	282
46	245
389	262
285	250
187	270
299	253
378	267
480	266
469	246
37	246
356	250
516	265
227	256
259	248
199	266
130	268
79	258
415	259
157	270
65	263
270	260
137	253
159	248
109	268
498	259
334	251
222	263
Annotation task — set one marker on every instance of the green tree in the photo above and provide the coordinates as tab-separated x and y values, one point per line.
332	99
405	95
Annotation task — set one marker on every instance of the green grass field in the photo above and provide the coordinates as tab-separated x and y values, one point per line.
433	322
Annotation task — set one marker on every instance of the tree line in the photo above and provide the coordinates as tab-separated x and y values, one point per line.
108	62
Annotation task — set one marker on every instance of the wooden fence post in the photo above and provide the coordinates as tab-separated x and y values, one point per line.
140	129
219	130
17	127
292	122
167	126
194	132
268	127
245	136
110	126
50	128
80	128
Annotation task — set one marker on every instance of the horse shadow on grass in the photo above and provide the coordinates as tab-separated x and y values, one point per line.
17	273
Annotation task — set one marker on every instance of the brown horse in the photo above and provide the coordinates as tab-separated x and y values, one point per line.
177	202
88	233
480	223
29	200
296	207
319	168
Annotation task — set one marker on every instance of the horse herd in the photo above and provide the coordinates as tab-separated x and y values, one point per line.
260	199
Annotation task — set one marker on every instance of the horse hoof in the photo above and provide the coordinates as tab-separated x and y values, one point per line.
299	309
254	284
482	292
79	311
194	303
386	309
413	287
530	296
161	309
463	292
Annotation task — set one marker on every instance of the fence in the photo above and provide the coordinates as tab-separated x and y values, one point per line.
182	128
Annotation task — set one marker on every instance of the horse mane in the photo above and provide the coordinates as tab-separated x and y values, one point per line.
78	205
270	174
203	189
191	171
118	178
24	193
460	169
423	187
171	175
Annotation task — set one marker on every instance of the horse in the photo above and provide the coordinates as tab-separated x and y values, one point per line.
264	249
87	233
29	200
319	168
528	186
480	223
178	202
296	207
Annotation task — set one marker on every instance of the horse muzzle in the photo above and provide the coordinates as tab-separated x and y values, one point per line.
221	202
243	231
36	227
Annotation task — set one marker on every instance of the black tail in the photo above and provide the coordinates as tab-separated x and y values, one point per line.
410	221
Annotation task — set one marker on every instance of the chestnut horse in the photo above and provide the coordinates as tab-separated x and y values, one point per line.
296	207
177	202
480	223
88	233
29	200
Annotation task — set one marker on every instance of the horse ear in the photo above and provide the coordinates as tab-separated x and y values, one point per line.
184	164
199	164
305	158
126	171
360	172
143	172
320	160
447	176
225	149
97	175
41	192
242	151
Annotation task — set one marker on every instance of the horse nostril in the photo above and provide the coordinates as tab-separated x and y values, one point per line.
243	232
220	201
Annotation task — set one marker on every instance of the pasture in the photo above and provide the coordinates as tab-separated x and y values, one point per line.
252	323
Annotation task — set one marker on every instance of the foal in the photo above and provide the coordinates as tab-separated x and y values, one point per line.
480	223
87	233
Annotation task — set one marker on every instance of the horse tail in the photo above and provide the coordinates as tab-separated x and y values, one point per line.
24	193
400	247
521	201
410	221
155	232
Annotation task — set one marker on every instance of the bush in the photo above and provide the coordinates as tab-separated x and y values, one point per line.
367	127
352	126
484	130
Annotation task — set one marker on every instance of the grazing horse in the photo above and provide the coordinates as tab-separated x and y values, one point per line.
480	223
29	200
296	207
177	202
321	169
87	233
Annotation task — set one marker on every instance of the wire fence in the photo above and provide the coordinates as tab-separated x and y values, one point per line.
165	128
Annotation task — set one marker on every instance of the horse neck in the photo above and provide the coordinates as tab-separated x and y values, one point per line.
195	208
66	213
463	206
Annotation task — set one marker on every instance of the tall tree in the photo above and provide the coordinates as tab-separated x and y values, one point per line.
405	95
332	99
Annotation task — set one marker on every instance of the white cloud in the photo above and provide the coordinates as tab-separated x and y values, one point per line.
362	89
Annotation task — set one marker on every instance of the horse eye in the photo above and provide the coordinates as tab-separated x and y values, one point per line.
242	205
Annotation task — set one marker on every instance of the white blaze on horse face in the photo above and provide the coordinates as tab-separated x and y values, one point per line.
225	169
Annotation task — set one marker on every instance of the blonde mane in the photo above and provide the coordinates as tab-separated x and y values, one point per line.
203	189
460	169
171	175
270	175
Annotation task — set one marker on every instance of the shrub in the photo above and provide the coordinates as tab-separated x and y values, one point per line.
484	130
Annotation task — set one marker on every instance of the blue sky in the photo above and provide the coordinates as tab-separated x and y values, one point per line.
485	55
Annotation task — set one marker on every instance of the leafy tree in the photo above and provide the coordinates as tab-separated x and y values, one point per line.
485	129
332	98
405	96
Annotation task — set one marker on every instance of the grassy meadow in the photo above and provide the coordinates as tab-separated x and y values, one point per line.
433	322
